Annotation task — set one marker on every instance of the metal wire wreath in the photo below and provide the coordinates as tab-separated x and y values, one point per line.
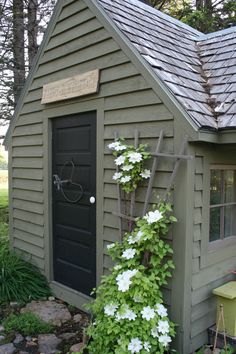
59	182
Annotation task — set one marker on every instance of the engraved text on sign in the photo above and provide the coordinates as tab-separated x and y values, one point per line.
75	86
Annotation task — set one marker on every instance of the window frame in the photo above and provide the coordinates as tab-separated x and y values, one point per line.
212	253
221	205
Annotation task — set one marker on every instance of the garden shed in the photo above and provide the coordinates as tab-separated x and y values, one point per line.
109	67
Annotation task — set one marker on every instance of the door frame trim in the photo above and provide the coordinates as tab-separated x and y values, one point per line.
56	111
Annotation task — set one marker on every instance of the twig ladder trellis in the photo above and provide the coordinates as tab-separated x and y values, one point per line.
157	155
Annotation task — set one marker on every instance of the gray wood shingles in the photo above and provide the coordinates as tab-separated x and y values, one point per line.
200	70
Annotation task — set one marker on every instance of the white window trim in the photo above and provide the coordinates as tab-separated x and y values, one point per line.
219	250
230	239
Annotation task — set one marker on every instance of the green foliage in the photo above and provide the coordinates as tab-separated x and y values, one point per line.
130	161
208	18
206	15
128	308
229	350
19	280
3	163
27	324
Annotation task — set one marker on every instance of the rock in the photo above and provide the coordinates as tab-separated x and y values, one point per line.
7	349
28	338
48	343
77	318
77	347
216	351
19	338
1	329
21	352
2	337
14	304
67	336
31	344
51	298
50	312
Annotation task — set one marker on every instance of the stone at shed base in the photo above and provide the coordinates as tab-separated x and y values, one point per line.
19	338
67	336
77	318
220	338
48	311
76	347
7	349
48	343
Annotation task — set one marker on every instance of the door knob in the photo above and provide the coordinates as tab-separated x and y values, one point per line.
92	200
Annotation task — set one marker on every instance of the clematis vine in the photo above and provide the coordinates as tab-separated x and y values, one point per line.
131	164
129	311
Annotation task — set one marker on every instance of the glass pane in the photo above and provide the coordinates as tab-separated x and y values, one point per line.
214	224
229	186
215	187
229	215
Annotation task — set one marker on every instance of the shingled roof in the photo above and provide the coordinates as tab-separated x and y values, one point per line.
199	69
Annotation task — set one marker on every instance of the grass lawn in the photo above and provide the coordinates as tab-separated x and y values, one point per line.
3	197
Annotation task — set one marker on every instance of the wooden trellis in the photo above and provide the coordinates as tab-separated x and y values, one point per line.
157	155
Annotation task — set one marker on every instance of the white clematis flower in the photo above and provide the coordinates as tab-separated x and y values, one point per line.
137	298
147	346
163	327
117	267
126	313
164	340
153	216
135	345
148	313
146	174
135	157
120	148
124	284
125	179
117	175
133	239
129	253
114	145
127	167
161	310
154	332
110	246
110	309
123	279
120	160
139	235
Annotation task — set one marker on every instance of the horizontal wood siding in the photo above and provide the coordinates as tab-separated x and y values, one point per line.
205	277
79	43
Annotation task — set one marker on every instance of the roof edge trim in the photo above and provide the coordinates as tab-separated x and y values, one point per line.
217	33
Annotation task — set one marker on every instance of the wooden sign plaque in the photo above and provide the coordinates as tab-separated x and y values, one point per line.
75	86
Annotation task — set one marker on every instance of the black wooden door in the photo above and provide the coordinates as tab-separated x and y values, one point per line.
74	207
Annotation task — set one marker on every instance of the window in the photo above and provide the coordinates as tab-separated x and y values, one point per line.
222	203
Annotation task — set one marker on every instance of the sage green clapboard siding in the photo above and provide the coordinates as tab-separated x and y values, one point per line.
79	43
205	276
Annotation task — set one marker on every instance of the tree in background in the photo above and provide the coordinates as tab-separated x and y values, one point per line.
22	24
204	15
